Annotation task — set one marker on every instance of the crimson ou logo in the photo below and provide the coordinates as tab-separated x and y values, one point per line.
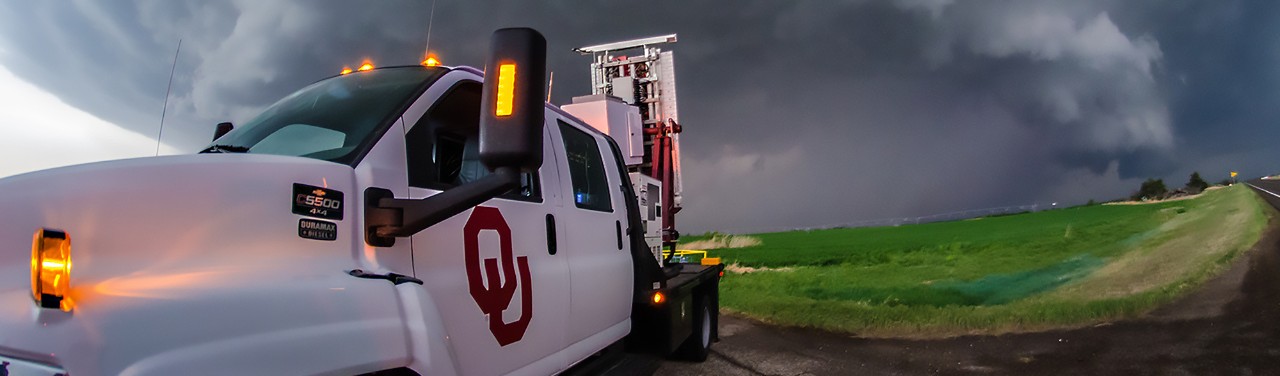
496	298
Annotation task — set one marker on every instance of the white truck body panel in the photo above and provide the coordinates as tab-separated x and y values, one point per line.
599	260
615	118
439	259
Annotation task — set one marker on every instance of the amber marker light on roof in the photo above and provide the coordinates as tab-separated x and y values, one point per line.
431	61
366	66
506	89
345	70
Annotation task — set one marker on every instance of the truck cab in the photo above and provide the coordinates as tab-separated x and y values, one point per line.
377	221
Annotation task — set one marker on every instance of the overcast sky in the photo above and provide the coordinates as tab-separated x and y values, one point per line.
796	113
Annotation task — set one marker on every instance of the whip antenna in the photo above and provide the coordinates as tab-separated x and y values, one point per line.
166	96
430	19
550	81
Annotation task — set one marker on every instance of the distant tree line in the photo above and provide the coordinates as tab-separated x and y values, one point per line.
1196	184
1154	189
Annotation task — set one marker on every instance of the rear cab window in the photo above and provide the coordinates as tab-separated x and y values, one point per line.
586	169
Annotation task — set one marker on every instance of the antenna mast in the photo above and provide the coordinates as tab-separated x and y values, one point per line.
166	96
551	81
430	19
648	81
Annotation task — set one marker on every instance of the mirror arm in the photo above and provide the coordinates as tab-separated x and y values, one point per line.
387	217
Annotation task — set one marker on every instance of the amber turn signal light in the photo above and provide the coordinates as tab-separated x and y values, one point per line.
506	89
51	269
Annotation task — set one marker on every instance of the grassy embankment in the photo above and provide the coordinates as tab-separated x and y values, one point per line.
1057	268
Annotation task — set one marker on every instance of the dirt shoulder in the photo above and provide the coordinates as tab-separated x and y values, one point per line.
1179	198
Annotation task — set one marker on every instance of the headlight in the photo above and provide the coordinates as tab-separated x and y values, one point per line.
51	269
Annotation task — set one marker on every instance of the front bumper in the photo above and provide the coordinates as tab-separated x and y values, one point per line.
14	366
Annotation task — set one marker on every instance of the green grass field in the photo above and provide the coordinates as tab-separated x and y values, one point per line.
1057	268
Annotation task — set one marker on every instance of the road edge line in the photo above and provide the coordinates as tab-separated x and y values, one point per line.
1260	189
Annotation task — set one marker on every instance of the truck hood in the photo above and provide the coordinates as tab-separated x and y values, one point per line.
160	213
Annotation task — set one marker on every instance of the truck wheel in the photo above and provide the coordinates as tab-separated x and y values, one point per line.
698	345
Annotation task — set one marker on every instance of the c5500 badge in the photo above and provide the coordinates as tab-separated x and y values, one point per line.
317	202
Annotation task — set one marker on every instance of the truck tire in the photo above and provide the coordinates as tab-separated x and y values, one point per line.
698	345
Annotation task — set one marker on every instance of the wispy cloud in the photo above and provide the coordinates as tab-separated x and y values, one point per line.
48	133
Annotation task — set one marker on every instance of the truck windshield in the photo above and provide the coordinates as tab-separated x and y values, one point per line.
336	119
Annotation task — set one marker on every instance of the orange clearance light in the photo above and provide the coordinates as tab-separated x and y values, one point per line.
506	89
430	61
51	269
345	70
658	297
366	66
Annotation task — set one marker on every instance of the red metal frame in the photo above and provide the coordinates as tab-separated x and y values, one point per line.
663	168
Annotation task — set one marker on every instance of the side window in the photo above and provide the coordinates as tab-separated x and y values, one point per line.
590	184
443	147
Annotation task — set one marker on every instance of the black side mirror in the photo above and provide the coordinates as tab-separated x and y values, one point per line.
221	130
511	121
512	107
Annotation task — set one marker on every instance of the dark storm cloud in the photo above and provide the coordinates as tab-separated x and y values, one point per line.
797	113
1221	79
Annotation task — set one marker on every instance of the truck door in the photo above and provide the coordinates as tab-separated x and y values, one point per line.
493	271
594	218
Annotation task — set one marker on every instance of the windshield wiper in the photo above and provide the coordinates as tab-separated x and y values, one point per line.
225	149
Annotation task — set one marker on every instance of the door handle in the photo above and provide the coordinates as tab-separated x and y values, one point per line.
395	278
618	225
551	234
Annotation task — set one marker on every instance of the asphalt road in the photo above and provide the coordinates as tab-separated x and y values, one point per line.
1228	327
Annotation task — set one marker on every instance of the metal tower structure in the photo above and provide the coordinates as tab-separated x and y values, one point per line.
648	81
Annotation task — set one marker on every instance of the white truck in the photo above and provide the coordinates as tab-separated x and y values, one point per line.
392	221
